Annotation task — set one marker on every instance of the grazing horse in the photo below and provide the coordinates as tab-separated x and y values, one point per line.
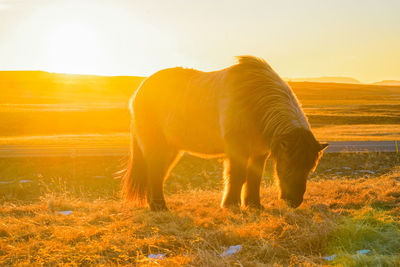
245	113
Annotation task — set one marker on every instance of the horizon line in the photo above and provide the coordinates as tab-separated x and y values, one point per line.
287	79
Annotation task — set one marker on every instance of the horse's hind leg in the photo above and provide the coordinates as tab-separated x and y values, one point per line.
235	175
159	161
251	189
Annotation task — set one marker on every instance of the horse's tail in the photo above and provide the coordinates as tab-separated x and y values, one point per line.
135	178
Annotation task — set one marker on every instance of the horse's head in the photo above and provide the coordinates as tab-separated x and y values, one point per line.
296	155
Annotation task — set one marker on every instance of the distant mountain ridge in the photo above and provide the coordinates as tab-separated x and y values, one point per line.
388	82
325	79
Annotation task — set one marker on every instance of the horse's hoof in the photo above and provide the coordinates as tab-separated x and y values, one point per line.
230	206
254	206
159	207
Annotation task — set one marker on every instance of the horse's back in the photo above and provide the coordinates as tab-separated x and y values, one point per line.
183	106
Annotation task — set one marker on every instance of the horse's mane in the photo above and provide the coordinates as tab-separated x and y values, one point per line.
264	96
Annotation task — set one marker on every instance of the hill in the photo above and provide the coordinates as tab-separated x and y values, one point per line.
38	87
388	82
327	79
45	104
41	87
313	93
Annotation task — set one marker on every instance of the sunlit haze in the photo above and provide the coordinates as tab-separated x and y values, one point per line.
311	38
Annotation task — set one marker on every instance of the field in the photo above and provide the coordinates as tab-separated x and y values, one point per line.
347	208
45	104
68	210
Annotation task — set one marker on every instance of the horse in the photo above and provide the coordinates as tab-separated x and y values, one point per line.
244	113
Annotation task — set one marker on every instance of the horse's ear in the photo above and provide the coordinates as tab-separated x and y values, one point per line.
323	146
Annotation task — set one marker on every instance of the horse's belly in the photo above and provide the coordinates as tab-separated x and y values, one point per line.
203	146
196	137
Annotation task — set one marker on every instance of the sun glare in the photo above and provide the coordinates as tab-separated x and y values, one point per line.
94	37
73	48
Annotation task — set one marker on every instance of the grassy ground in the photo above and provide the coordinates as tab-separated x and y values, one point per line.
341	124
352	200
95	140
352	203
363	132
45	104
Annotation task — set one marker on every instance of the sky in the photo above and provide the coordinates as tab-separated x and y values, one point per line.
308	38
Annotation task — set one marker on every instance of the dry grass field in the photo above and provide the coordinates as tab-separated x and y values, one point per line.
47	104
352	201
347	208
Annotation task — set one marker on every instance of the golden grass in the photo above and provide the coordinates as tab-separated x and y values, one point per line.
346	207
196	230
94	140
44	104
340	94
361	132
340	215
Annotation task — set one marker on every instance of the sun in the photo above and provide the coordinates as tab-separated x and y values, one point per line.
72	36
73	47
97	37
94	37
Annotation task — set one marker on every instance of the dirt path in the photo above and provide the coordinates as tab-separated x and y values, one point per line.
362	146
7	151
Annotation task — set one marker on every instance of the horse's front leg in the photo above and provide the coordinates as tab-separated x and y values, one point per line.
235	176
251	190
